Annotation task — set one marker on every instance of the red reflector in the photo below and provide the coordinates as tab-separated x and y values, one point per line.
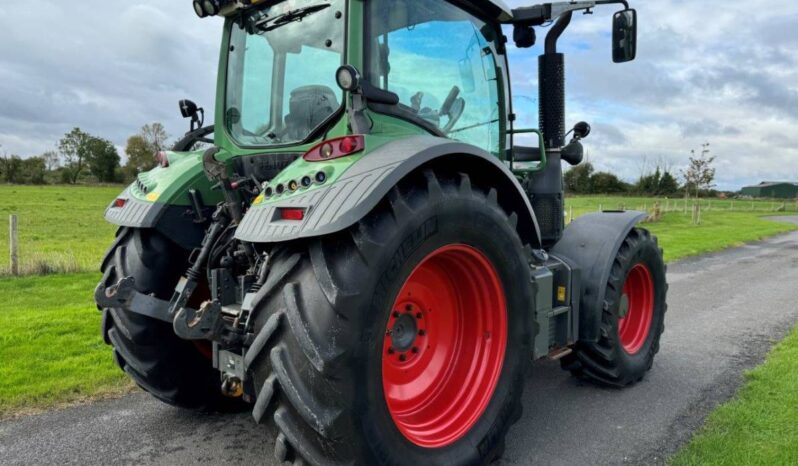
292	214
119	203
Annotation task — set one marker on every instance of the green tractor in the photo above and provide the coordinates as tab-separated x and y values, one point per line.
361	254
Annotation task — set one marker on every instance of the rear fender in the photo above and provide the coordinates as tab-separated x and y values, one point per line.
160	199
359	190
591	243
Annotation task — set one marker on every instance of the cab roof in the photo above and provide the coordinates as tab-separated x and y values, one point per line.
496	9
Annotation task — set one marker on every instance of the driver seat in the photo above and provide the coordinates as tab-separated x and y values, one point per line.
308	107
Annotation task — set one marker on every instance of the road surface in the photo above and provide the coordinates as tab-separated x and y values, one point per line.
726	312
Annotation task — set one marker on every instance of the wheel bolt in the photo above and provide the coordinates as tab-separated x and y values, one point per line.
396	314
409	307
419	315
415	350
402	357
390	350
422	332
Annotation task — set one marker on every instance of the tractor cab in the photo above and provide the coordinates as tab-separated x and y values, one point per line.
298	73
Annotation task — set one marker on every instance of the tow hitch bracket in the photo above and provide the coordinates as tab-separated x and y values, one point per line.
125	296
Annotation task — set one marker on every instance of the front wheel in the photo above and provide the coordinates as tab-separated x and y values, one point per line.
401	341
632	319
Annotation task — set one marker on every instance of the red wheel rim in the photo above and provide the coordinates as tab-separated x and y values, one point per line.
637	309
444	346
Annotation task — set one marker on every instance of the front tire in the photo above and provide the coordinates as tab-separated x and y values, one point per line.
632	319
348	325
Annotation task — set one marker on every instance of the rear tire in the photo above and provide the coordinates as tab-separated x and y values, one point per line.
317	364
632	319
173	370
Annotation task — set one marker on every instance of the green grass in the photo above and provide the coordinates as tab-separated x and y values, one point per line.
760	426
51	351
718	230
61	228
720	227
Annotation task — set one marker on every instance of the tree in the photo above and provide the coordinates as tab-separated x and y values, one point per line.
14	169
51	160
700	174
577	179
33	170
155	135
10	168
140	155
74	147
606	183
668	184
103	159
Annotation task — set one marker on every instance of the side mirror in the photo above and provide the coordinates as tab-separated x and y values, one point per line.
190	110
624	36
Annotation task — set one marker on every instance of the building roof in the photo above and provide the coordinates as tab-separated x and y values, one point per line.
770	184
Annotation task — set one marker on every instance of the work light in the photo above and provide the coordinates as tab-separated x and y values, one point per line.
211	7
198	9
348	78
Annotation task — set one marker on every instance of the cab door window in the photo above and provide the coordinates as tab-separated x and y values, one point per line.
441	62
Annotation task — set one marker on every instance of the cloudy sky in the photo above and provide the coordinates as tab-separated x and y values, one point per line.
707	71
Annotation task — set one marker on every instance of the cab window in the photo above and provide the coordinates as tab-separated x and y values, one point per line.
441	61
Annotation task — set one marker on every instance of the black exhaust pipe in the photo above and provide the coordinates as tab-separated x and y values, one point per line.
546	188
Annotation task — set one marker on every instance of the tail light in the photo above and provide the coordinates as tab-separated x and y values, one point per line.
119	203
336	148
296	215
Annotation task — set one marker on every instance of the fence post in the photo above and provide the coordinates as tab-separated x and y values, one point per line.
571	214
12	243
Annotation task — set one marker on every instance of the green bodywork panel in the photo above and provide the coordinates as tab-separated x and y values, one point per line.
170	185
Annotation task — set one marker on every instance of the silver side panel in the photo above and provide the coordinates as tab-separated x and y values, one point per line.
135	213
352	197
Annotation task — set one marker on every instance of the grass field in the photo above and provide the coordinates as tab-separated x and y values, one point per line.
61	228
50	346
51	351
760	426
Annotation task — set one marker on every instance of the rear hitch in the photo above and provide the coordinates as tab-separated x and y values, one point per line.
203	324
123	295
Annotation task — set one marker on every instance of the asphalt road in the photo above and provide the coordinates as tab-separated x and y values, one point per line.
726	312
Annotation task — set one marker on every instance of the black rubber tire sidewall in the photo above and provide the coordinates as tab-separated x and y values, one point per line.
647	253
462	221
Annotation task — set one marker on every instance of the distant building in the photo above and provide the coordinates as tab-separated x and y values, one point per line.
772	189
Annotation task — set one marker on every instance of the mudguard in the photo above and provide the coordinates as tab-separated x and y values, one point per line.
343	203
159	199
591	243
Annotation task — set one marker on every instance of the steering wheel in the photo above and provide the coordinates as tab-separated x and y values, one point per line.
452	107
